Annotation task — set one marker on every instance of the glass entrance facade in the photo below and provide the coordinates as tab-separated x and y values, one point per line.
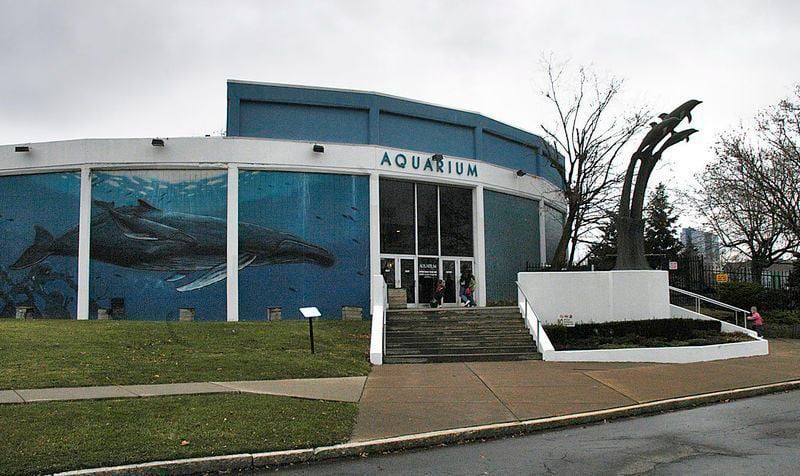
430	226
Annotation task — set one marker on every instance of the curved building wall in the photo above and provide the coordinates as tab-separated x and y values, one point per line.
355	117
193	224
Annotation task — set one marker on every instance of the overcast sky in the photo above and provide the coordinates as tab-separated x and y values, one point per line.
77	69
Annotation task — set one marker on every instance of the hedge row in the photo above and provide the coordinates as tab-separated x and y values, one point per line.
676	328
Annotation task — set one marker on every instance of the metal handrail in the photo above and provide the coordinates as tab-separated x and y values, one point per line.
700	297
385	307
538	322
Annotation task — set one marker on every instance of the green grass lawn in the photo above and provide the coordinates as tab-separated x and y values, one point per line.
56	353
46	437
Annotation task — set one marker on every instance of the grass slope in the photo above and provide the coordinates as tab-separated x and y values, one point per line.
54	353
46	437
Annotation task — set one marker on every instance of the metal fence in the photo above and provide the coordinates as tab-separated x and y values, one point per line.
695	274
692	273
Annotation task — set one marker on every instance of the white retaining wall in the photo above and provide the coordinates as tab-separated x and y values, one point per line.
600	296
618	296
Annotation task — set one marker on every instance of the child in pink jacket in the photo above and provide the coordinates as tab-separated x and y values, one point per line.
758	321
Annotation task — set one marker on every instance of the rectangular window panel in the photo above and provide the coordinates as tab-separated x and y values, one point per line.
456	218
427	219
511	227
428	272
553	226
397	217
304	239
159	244
39	217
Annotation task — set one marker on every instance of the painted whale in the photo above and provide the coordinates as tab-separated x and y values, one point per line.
145	237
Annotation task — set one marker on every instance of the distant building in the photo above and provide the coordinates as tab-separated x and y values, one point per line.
706	243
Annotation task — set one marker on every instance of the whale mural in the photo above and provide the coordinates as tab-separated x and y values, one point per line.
144	237
158	243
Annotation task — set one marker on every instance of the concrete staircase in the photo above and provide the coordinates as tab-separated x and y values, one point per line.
457	335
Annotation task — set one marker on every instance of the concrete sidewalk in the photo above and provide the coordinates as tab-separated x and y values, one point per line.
410	399
342	389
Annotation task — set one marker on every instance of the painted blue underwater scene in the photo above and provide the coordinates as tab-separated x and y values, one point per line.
39	244
158	243
320	226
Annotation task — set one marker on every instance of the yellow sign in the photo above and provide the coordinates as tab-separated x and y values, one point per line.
722	277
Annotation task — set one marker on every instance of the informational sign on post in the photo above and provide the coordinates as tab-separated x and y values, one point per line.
673	265
722	277
310	313
566	320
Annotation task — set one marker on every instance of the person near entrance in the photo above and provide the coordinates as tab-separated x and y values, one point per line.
438	294
467	285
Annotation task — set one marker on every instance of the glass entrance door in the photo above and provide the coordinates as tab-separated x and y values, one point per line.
400	272
407	280
428	273
450	278
389	271
453	270
465	269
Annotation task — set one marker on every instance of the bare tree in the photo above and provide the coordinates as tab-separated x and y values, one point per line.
734	209
589	134
776	172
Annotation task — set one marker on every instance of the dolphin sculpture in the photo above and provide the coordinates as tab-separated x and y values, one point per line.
684	110
144	237
657	133
675	138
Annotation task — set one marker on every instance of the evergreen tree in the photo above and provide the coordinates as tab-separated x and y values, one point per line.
603	254
660	234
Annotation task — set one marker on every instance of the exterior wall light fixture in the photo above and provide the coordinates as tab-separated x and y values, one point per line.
319	148
521	173
22	148
157	142
437	157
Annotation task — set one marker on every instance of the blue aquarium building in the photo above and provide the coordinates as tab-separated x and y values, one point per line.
311	193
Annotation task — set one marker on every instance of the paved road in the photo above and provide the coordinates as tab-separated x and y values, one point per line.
752	437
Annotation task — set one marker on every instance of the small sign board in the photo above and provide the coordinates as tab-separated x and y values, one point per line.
566	320
310	312
722	277
673	265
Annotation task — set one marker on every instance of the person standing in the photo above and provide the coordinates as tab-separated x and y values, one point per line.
438	293
758	321
463	283
472	286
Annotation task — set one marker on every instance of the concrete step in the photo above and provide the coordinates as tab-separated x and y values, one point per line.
460	329
451	315
457	334
446	339
493	357
454	309
473	324
437	350
455	317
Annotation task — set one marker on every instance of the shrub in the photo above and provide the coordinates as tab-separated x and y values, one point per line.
677	329
645	333
741	294
782	317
